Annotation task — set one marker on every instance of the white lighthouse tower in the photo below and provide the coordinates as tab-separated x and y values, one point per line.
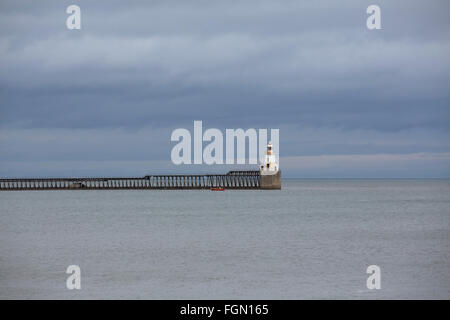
270	165
269	170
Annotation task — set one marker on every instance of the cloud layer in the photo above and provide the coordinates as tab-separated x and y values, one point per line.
116	89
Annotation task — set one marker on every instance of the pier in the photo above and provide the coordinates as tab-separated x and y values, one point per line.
231	180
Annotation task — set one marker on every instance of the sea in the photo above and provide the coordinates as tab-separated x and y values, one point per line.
314	239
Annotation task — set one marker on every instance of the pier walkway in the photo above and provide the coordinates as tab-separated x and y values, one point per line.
231	180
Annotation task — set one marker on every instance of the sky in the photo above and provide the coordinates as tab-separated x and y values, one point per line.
103	100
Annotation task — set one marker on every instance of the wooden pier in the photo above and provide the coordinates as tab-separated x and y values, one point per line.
231	180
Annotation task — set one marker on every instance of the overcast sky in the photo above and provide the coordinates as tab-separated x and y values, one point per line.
104	100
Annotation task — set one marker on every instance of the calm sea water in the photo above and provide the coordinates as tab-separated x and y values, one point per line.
313	239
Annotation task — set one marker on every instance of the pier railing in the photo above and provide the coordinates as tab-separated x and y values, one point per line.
231	180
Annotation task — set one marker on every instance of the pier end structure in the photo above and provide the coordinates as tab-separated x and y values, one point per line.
272	181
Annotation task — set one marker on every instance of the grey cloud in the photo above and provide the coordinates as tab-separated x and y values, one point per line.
303	66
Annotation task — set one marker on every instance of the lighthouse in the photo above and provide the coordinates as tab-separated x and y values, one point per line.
269	170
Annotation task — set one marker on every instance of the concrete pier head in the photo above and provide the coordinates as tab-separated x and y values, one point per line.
271	181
